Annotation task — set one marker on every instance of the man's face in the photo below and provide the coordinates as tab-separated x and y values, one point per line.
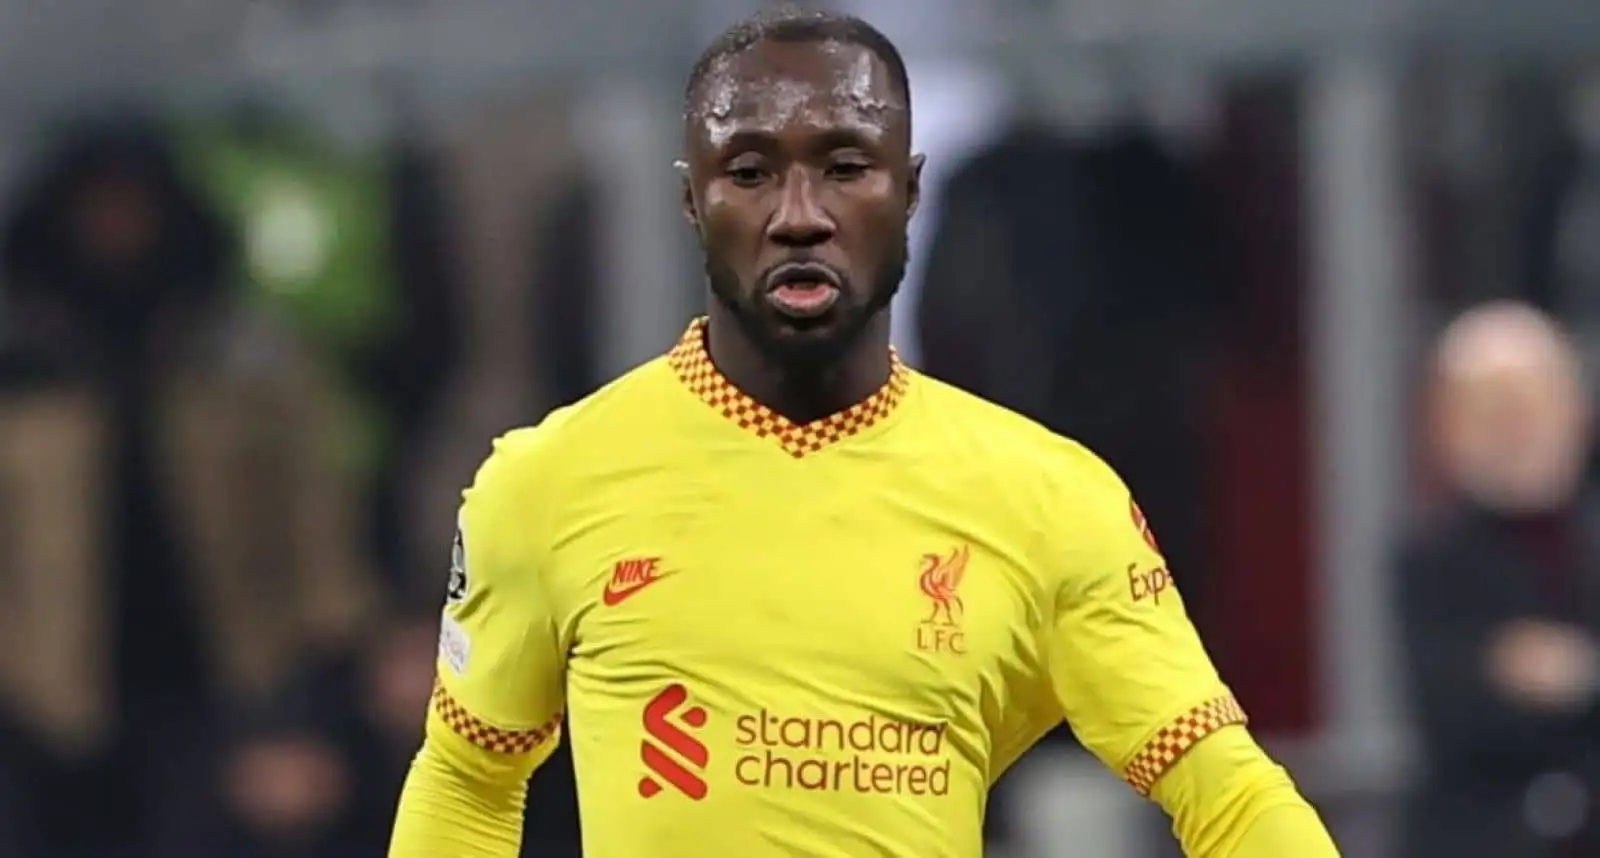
1513	411
800	183
1519	433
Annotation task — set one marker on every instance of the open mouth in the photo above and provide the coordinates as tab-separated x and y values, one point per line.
803	290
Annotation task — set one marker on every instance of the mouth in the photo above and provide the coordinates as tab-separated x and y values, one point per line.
803	290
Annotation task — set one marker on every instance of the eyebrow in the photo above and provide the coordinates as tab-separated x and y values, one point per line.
841	137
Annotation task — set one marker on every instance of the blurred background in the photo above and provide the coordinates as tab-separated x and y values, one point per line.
272	273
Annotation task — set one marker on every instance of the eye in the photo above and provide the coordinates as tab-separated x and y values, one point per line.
745	175
847	169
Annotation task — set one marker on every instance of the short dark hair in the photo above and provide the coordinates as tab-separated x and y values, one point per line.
796	24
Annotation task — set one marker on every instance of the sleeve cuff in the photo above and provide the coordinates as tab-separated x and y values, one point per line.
496	740
1175	739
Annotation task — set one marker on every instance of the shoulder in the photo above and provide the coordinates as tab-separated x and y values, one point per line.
1087	533
1065	502
1019	448
606	417
528	466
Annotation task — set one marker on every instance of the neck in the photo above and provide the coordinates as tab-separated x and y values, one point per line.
801	393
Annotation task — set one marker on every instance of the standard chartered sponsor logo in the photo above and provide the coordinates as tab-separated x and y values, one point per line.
870	755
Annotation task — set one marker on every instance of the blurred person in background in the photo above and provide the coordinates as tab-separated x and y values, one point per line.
314	773
1500	599
348	246
286	789
181	544
393	681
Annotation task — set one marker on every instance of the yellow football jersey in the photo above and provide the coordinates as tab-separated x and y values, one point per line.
771	639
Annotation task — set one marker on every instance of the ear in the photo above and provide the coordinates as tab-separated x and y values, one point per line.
914	184
690	212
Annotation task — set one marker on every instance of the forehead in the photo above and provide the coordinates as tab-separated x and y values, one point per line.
773	84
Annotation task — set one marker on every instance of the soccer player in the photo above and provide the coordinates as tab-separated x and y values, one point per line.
791	597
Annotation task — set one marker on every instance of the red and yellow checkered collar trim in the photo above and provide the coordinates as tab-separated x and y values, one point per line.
692	362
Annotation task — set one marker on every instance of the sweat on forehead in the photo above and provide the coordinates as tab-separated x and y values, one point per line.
778	74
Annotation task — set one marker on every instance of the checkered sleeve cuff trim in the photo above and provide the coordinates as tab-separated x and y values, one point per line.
1171	742
486	736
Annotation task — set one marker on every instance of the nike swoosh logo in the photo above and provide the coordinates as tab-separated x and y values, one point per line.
614	596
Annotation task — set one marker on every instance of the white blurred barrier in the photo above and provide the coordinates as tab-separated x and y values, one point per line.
1068	806
1359	260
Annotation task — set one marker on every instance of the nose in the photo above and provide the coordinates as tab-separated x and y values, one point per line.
800	220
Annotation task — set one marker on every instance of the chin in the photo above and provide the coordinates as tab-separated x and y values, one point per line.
813	344
818	340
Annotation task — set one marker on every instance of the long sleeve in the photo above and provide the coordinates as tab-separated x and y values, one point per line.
496	709
1227	799
461	800
1141	693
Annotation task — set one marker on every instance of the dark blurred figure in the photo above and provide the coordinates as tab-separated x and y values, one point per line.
183	541
393	683
1499	597
109	267
351	248
286	790
314	773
